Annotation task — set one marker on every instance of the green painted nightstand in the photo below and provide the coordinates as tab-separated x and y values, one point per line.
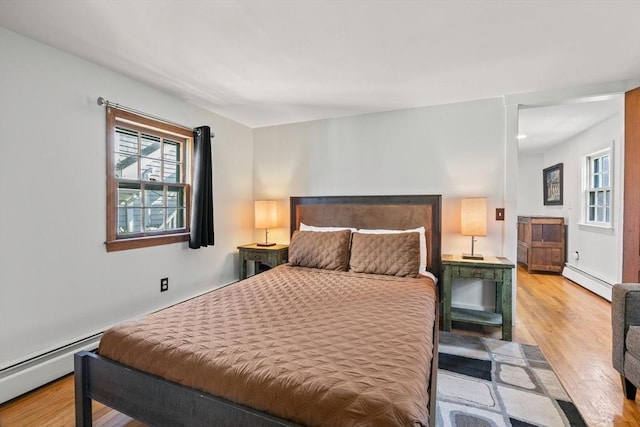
270	255
496	269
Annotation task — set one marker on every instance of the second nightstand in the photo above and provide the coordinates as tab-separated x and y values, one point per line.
270	255
496	269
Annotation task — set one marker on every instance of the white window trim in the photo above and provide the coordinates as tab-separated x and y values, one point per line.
584	199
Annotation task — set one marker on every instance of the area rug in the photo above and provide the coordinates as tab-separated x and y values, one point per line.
485	382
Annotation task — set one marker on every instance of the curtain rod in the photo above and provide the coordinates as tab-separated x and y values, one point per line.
105	102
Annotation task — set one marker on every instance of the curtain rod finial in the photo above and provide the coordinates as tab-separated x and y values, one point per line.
101	101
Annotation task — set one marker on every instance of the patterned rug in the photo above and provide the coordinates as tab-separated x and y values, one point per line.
485	382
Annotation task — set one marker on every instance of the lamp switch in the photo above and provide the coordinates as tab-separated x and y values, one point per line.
499	214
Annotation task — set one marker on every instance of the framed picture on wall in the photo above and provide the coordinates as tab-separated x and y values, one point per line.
552	184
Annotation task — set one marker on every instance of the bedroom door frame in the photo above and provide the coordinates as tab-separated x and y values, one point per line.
631	226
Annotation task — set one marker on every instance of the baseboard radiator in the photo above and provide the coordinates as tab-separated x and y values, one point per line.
588	281
30	374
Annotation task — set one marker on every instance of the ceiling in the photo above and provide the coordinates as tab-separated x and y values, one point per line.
547	126
281	61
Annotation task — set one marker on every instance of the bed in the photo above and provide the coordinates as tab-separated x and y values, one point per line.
297	345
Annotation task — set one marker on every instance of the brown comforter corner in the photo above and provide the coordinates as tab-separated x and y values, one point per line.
318	347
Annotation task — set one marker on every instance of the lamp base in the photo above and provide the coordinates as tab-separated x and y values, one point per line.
265	244
472	256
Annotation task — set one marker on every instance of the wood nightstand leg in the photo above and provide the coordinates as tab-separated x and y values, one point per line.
506	306
243	268
446	298
499	297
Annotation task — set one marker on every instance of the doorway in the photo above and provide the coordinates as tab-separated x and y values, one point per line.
568	135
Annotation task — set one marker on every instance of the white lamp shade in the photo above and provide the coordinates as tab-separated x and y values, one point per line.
473	216
266	213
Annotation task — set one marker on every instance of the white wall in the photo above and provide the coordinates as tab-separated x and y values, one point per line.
455	150
57	282
530	198
600	250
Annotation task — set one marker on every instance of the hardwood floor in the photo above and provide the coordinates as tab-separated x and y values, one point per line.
571	326
53	406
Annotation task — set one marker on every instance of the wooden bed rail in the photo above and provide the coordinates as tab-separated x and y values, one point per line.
170	404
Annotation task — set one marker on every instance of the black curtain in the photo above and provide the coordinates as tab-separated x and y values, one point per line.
202	197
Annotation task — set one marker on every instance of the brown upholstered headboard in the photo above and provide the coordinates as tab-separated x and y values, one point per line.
388	212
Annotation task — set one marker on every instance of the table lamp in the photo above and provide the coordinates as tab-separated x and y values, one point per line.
266	216
473	221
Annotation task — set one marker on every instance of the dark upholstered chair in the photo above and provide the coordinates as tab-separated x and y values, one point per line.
625	319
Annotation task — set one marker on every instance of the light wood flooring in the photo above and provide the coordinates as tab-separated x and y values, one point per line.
571	326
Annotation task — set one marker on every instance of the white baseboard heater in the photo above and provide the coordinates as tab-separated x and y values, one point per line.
588	281
30	374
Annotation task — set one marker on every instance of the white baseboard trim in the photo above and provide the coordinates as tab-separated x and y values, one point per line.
588	281
26	376
37	370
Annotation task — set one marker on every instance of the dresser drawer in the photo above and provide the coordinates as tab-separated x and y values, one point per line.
256	256
479	273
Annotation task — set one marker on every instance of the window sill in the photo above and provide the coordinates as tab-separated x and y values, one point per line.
603	229
144	242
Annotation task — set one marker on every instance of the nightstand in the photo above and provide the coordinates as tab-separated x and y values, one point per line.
270	255
496	269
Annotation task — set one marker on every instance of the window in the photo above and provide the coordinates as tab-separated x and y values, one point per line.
148	185
598	188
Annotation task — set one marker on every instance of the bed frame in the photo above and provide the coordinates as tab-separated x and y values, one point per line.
159	402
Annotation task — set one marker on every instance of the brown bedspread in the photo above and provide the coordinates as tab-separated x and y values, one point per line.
316	347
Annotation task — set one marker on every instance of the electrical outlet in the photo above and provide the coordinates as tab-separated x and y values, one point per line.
164	284
499	214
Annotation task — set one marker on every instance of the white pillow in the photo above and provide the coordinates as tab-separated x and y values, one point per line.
305	227
423	242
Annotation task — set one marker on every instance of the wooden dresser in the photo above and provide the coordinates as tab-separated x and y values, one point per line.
541	243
